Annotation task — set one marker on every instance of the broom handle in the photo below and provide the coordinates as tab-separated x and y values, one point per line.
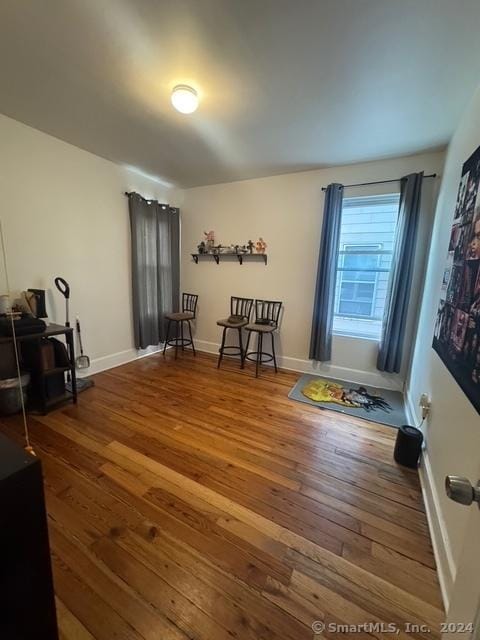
79	337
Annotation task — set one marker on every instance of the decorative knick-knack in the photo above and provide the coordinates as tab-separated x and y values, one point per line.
201	248
250	246
260	245
209	240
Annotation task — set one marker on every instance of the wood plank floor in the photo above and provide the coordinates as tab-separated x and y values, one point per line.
187	502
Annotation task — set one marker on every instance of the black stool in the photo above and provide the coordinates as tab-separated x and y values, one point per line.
189	307
267	313
240	310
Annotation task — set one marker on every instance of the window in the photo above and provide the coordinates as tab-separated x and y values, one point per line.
358	280
367	239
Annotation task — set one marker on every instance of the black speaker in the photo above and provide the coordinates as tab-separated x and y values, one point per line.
408	446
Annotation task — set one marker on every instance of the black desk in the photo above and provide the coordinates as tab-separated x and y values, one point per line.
26	588
50	331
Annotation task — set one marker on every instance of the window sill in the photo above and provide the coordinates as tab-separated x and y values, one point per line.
356	336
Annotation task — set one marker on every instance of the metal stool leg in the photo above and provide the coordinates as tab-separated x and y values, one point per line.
246	349
176	339
240	342
166	337
181	334
273	352
259	351
220	351
191	337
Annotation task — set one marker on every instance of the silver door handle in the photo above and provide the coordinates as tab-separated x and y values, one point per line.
461	490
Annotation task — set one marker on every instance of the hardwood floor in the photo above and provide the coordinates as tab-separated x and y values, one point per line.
190	502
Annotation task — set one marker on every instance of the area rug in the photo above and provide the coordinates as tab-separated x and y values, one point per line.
377	405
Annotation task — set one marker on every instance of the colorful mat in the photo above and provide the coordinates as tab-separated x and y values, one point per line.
377	405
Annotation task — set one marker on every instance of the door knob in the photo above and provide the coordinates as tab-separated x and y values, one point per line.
461	490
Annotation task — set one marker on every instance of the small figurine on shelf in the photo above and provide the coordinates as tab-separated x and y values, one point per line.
209	240
260	245
250	246
201	248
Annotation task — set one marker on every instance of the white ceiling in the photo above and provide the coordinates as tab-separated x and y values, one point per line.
285	85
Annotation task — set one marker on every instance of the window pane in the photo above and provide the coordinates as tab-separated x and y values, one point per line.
367	239
360	261
347	291
355	276
356	299
357	291
365	291
355	308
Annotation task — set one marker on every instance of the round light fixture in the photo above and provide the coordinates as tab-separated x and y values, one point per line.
184	98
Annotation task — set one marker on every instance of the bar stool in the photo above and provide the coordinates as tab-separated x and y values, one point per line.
240	310
189	308
267	314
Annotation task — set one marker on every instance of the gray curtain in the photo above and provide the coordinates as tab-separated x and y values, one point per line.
396	309
155	235
323	308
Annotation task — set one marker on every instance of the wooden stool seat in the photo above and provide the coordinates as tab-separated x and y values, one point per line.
179	316
261	328
187	314
233	323
240	310
267	314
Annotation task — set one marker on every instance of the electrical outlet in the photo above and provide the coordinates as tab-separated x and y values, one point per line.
425	405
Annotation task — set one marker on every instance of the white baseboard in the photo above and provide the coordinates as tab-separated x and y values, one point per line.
438	532
413	417
442	549
116	359
370	378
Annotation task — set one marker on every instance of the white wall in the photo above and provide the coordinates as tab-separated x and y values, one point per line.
287	211
453	429
64	213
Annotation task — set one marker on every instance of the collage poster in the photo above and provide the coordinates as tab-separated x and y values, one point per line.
457	327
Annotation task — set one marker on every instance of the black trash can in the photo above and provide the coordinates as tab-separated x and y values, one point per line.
10	399
408	446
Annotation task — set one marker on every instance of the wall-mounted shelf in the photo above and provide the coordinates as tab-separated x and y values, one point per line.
221	256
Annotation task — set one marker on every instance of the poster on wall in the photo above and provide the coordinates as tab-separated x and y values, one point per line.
457	327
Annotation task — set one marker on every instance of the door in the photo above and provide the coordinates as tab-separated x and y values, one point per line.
464	606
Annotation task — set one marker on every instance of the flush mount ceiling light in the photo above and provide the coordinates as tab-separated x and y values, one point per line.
184	98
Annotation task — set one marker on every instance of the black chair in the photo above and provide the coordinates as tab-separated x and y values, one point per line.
240	310
267	314
187	314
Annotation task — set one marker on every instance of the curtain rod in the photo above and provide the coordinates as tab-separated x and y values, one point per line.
134	193
364	184
164	205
